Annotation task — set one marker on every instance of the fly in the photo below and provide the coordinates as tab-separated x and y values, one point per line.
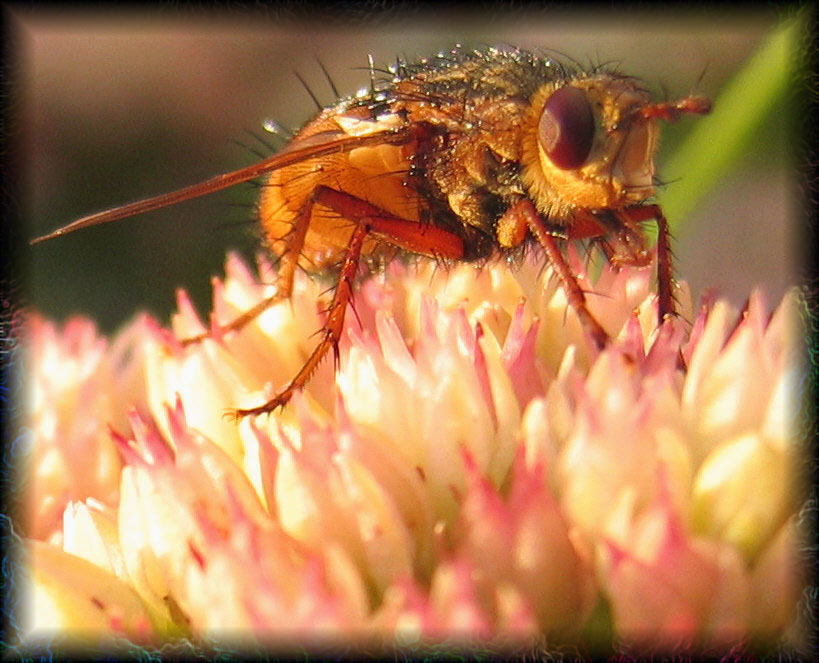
466	156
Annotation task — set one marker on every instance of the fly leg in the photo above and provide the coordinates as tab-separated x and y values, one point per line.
369	221
525	211
288	262
330	333
665	277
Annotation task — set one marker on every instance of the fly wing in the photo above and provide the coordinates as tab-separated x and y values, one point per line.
317	145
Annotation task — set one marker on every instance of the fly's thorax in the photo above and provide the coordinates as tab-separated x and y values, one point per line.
585	146
467	164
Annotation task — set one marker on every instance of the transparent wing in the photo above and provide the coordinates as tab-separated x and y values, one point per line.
317	145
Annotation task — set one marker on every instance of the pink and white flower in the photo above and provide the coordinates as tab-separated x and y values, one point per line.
476	469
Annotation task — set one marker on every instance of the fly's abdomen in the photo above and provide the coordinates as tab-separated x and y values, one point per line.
379	175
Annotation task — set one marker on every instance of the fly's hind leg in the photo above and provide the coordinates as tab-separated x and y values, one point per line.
330	333
237	323
288	262
369	221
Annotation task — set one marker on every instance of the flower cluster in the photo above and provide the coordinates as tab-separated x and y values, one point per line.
475	469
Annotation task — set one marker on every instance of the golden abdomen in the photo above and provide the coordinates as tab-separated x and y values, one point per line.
377	175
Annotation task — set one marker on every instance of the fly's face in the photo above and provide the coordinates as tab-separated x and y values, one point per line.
589	146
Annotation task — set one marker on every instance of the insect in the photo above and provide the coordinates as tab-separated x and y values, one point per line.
465	156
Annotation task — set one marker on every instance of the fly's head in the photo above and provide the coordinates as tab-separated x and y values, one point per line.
590	142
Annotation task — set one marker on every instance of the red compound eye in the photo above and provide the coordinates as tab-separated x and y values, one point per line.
566	129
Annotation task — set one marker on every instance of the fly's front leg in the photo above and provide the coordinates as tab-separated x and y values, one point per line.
526	212
369	220
665	276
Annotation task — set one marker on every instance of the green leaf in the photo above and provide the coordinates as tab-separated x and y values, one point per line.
721	142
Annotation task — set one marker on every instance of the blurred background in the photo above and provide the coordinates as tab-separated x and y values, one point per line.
118	106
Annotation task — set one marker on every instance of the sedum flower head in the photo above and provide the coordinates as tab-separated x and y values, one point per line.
475	470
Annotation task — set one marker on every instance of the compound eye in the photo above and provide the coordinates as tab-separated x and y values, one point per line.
566	128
